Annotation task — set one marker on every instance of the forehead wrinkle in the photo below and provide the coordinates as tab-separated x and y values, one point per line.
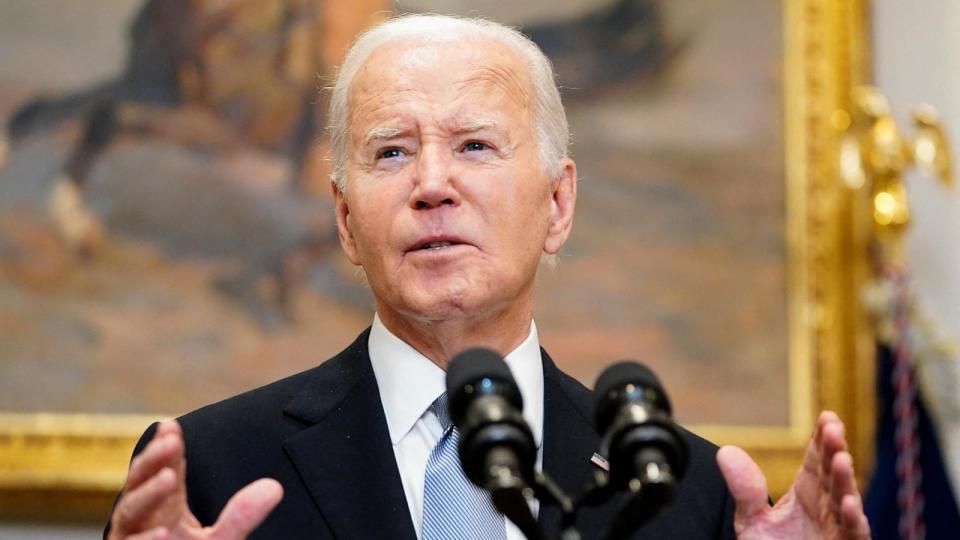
378	109
502	77
360	98
356	106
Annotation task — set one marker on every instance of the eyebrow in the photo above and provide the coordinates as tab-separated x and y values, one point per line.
382	133
475	125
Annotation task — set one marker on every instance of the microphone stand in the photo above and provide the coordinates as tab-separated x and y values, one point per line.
547	490
510	494
649	493
509	491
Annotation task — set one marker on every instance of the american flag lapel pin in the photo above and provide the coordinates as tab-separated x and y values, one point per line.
600	461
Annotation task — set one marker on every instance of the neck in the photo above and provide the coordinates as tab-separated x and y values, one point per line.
442	340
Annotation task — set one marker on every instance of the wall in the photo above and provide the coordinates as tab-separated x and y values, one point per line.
917	59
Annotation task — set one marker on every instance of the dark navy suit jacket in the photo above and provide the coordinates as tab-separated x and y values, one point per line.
323	435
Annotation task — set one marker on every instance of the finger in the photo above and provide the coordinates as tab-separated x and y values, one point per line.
747	484
159	453
247	509
842	481
807	486
832	441
825	418
812	456
853	522
172	428
159	533
814	478
165	450
169	427
136	506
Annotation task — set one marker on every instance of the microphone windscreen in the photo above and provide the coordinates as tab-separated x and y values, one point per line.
474	364
624	382
476	372
624	373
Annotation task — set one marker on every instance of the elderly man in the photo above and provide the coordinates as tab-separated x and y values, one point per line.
451	181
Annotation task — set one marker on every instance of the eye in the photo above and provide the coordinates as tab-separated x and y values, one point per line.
475	146
389	153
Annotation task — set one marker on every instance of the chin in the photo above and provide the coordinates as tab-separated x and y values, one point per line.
439	305
441	309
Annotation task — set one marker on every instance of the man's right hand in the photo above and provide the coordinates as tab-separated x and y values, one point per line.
154	501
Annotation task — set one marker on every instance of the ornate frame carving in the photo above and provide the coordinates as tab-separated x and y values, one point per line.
69	467
831	345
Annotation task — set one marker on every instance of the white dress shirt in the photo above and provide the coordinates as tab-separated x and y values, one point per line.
409	383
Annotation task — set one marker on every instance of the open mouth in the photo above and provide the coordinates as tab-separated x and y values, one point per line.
437	245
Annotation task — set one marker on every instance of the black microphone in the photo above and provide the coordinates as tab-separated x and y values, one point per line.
646	453
497	450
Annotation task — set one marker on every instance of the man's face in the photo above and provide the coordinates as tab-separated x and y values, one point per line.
447	206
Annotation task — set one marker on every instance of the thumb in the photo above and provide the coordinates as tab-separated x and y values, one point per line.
247	509
747	484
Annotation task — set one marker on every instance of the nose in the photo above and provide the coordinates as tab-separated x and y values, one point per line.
435	182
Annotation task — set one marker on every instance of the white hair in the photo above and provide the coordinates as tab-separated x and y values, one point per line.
549	118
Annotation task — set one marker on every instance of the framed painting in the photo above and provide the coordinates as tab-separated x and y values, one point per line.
166	237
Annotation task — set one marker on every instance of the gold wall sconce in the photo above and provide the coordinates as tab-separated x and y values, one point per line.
875	156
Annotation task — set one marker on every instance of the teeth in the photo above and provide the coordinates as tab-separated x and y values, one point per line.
436	245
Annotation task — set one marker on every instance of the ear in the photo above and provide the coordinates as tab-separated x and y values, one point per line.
563	199
342	209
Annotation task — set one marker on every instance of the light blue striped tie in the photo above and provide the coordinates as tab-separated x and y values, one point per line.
453	507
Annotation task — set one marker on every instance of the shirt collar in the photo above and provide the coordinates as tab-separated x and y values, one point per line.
409	382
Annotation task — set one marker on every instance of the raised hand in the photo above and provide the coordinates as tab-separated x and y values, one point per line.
154	501
823	501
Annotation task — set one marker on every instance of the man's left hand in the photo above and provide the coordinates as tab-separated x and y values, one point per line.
823	501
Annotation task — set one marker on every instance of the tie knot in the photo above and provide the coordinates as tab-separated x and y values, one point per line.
440	409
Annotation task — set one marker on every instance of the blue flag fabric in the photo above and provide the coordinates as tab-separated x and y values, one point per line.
940	513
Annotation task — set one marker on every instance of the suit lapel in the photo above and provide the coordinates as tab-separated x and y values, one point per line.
344	455
569	438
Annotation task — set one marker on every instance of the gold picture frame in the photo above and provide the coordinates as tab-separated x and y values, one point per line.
70	466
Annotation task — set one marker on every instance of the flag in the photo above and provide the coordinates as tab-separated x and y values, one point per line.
911	495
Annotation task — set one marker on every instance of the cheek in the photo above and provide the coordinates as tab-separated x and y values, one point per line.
523	224
368	221
532	209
